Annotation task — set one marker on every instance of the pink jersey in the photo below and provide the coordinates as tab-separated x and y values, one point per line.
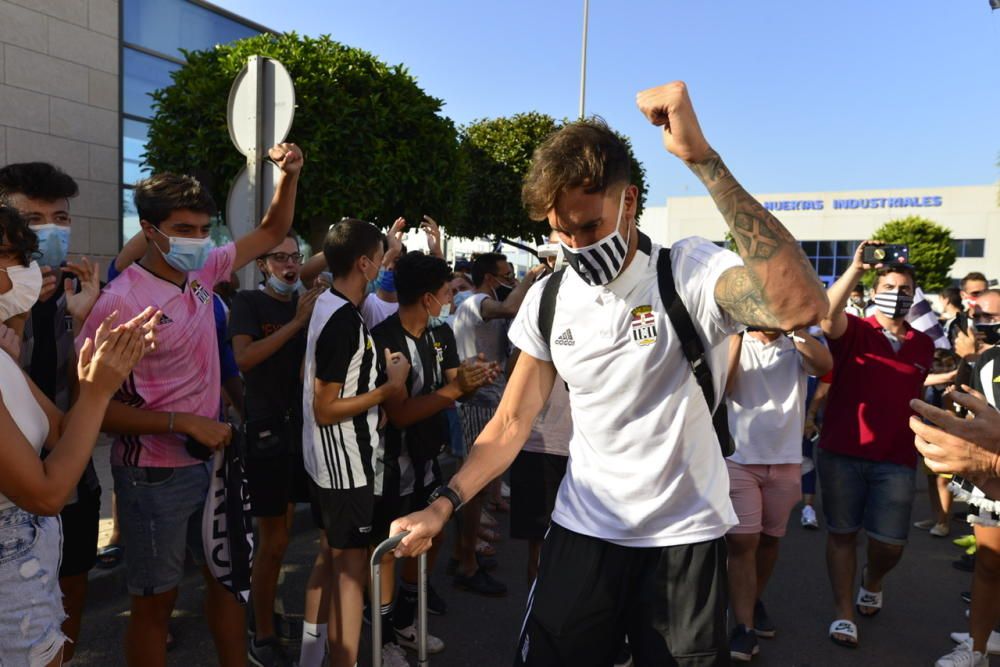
182	373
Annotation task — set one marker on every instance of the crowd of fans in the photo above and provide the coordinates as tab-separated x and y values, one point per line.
344	380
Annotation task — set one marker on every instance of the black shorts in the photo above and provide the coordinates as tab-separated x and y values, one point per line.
534	482
670	601
347	515
276	482
388	508
80	523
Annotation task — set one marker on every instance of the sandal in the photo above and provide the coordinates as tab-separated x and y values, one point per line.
846	628
867	598
109	557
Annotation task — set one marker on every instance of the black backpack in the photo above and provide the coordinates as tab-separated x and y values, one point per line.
680	319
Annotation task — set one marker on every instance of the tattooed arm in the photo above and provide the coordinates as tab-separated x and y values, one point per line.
777	286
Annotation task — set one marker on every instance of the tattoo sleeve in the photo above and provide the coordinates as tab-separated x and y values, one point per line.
751	294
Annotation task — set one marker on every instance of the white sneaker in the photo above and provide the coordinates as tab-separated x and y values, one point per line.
809	517
940	530
963	656
992	644
925	524
407	637
394	656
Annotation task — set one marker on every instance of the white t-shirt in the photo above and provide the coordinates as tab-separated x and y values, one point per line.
554	425
476	335
376	311
767	403
645	466
23	408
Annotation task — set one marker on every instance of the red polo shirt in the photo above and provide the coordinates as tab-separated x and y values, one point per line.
868	411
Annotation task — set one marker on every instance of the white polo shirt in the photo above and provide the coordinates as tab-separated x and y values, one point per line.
645	466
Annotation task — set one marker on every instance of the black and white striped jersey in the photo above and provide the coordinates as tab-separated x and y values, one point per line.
339	349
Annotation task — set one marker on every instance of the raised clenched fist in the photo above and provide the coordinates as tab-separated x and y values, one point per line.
668	106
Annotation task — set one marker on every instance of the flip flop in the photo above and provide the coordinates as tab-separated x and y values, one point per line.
867	598
847	628
109	557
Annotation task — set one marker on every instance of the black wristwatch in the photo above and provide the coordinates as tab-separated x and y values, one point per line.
445	491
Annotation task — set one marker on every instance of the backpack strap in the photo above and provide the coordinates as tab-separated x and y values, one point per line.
547	306
692	348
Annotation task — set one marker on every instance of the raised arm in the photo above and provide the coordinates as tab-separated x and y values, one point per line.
507	309
816	359
777	286
278	219
834	323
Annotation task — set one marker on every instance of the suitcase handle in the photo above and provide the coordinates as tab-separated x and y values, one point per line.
376	600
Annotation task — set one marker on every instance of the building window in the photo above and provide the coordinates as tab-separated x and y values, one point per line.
167	26
969	247
830	258
155	32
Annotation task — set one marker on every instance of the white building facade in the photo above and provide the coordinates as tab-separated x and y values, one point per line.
831	224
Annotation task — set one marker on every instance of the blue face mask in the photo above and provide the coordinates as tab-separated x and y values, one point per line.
281	287
53	243
186	255
387	280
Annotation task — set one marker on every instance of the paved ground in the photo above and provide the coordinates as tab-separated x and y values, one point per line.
922	606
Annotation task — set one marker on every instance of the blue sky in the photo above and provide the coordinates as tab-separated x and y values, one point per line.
795	95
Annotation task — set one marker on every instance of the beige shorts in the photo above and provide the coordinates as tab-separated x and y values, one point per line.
763	496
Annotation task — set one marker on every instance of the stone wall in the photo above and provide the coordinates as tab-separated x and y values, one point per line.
59	93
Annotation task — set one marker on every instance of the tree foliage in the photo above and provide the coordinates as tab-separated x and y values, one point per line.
376	144
931	249
496	154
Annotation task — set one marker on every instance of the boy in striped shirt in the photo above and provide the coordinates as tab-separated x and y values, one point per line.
340	410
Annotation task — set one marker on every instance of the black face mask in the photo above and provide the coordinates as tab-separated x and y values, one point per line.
991	332
502	292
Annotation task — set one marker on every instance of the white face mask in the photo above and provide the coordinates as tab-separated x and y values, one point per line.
26	285
600	263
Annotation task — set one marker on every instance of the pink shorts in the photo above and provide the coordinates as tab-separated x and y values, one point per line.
763	496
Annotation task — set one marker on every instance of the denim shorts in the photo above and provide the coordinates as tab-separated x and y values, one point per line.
31	611
873	495
159	515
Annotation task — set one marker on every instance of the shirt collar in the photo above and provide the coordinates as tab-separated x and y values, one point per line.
630	277
874	324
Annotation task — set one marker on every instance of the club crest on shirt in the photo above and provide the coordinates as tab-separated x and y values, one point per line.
643	326
203	294
439	352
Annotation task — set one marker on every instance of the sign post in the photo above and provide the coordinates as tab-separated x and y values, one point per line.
260	113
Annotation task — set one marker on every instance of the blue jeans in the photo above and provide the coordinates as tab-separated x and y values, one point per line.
31	611
873	495
159	514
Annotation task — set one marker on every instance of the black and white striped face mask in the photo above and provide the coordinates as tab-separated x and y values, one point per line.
600	263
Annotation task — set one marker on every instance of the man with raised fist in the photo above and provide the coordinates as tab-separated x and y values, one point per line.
641	515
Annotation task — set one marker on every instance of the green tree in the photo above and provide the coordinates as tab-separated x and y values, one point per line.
931	249
496	154
376	144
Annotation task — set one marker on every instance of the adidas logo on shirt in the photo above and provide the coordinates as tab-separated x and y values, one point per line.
566	338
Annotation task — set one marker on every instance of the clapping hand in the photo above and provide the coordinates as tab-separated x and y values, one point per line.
107	359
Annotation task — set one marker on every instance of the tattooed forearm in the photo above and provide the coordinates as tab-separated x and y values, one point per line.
738	294
778	286
758	234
